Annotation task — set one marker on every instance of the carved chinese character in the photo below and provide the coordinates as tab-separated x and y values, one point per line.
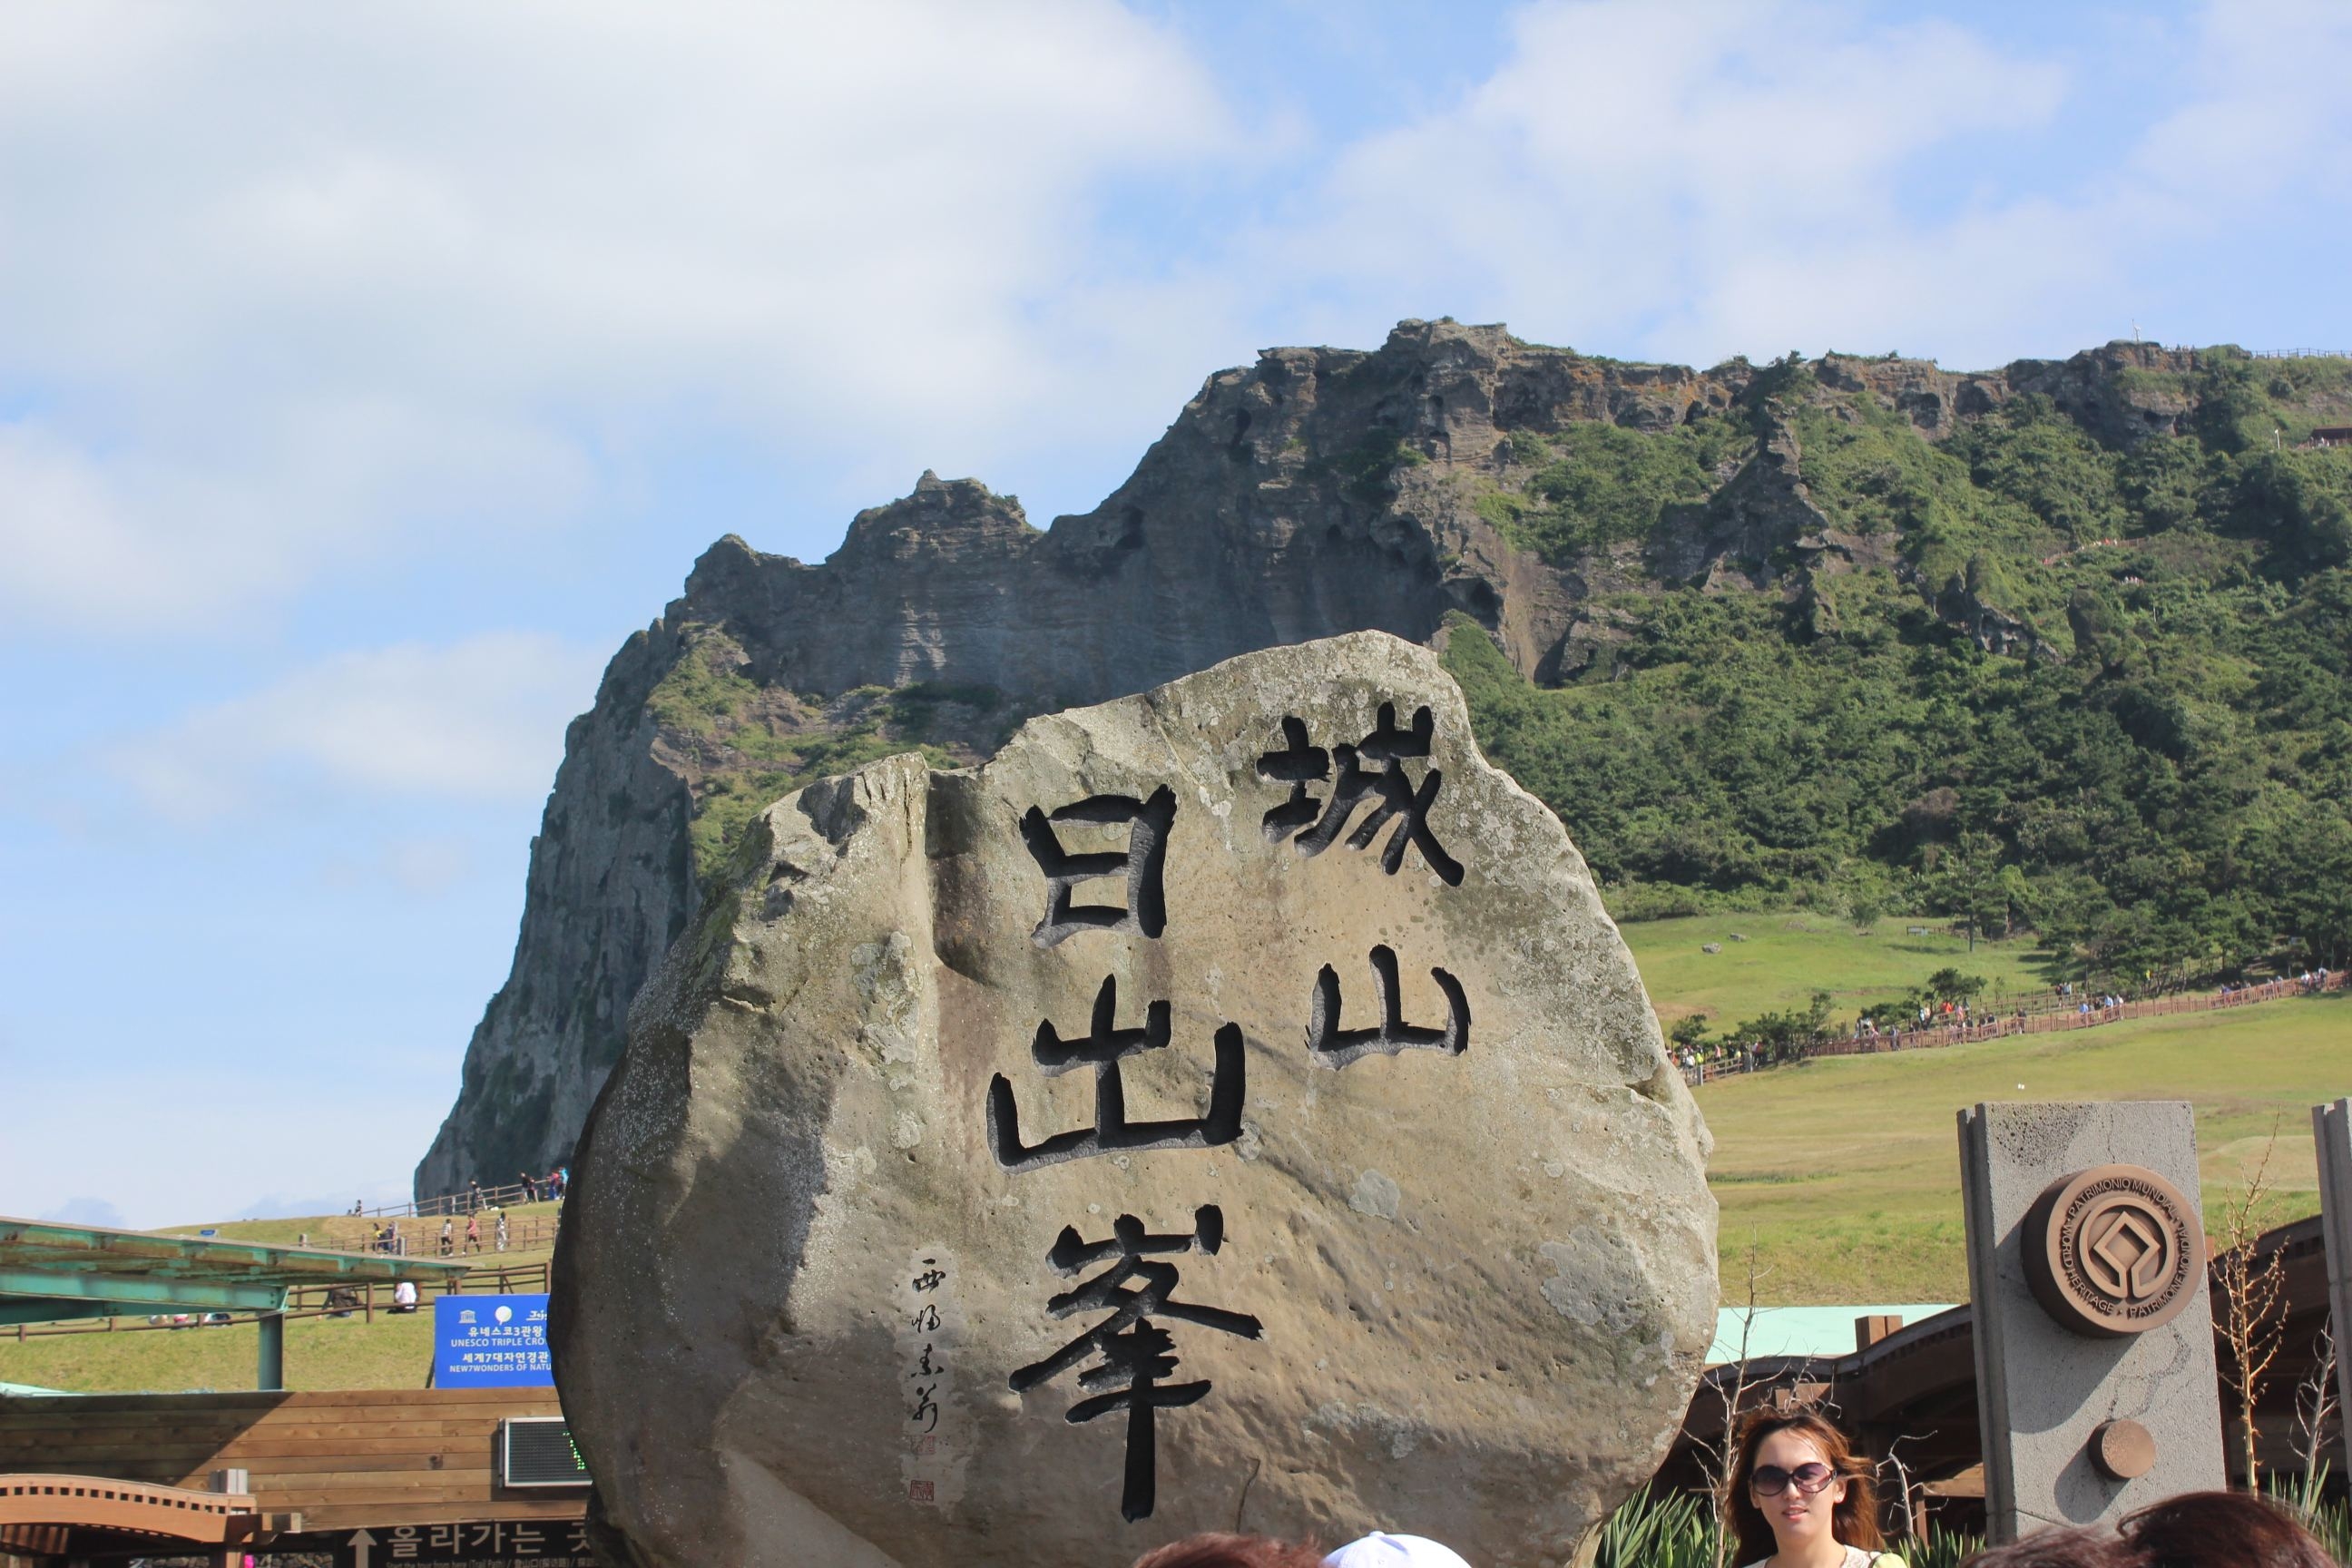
1296	764
1141	863
1103	1047
1335	1047
1385	783
1138	1355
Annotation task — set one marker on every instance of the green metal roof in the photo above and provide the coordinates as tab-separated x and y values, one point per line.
52	1271
1824	1334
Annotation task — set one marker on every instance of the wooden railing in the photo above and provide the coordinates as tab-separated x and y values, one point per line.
472	1200
348	1233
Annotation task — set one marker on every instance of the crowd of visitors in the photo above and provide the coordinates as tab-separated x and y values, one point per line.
1800	1496
1955	1022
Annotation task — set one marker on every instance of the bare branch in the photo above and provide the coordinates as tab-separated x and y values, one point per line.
2253	1303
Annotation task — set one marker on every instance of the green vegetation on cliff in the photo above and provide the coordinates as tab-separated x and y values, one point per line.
2102	688
743	745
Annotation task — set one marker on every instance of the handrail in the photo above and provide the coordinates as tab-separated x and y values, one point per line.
311	1301
471	1200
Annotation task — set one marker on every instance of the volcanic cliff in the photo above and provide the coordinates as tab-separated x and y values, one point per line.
1319	492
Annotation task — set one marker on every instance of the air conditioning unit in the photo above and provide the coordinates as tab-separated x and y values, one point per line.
537	1451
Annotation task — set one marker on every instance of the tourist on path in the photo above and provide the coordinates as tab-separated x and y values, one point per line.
1799	1497
472	1232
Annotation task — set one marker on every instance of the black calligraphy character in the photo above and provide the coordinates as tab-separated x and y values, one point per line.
1296	764
1138	1355
1142	863
928	1318
1387	785
1335	1047
925	1406
923	1367
1102	1048
930	1279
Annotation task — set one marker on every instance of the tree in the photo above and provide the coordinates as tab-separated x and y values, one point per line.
1865	909
1951	985
1970	883
1689	1033
2251	1302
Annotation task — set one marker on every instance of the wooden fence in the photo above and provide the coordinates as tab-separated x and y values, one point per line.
473	1200
348	1233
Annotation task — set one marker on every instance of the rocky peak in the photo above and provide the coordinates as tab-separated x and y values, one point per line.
941	517
1316	491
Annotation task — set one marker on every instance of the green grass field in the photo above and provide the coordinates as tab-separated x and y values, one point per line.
1844	1173
391	1351
1788	957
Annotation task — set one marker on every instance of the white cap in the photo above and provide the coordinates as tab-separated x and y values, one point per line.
1381	1550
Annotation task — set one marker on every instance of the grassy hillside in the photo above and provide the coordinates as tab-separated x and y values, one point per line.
1844	1173
1790	956
2087	669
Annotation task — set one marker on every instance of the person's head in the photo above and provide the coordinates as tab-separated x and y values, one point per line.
2058	1548
1796	1480
1217	1551
1381	1550
2195	1529
2207	1529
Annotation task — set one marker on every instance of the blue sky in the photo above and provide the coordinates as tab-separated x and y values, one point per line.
366	375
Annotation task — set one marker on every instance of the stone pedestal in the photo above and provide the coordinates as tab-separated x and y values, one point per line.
2097	1390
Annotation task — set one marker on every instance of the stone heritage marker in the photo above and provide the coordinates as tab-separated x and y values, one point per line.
2095	1381
1228	1106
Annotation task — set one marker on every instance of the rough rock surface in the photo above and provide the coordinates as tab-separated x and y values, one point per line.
1485	1280
1320	491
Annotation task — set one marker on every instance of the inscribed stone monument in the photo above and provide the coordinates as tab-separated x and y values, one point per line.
2095	1385
1227	1106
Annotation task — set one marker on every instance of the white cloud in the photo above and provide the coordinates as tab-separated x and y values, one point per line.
482	718
1698	180
288	281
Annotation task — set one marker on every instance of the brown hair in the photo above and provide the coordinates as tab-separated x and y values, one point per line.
2059	1549
2197	1529
1215	1551
1854	1522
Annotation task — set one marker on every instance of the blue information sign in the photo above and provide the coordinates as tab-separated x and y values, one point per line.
491	1341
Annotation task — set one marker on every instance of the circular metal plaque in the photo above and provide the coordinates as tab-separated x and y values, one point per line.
2113	1251
2122	1450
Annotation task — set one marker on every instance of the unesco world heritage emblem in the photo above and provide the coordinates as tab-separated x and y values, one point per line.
2113	1251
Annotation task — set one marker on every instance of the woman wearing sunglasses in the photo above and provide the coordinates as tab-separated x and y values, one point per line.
1798	1497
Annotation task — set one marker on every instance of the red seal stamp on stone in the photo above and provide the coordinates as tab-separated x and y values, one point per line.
2113	1251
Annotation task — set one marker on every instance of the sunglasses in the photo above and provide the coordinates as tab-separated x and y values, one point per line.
1771	1480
